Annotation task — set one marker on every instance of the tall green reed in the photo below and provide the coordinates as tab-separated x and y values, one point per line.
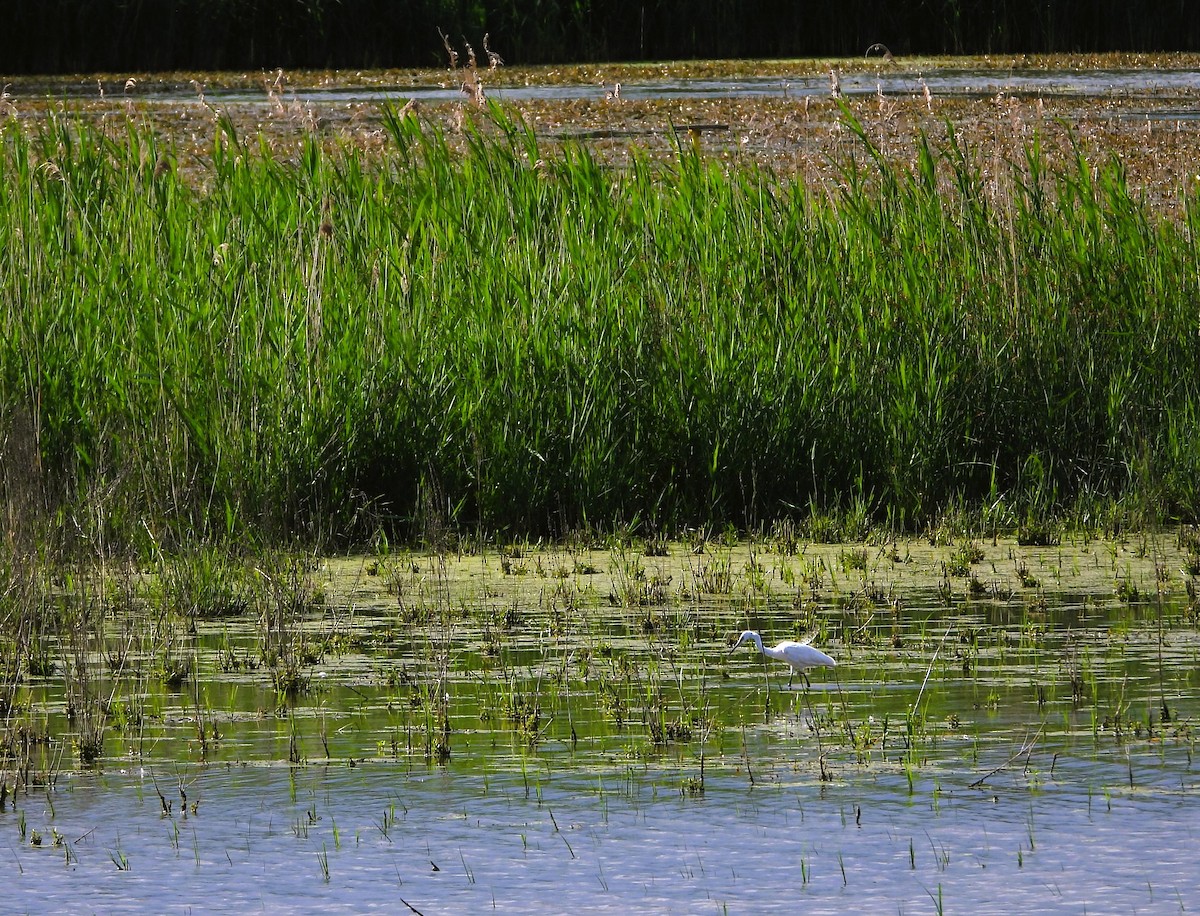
491	333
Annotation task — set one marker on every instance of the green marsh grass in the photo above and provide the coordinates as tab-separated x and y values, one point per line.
513	337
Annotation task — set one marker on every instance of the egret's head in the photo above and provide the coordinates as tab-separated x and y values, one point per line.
747	636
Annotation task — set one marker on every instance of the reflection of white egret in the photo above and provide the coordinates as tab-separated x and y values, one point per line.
799	655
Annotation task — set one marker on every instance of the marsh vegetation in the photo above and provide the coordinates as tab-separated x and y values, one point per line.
485	333
1035	690
358	476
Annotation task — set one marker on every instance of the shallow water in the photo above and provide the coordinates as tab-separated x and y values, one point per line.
1020	737
464	844
892	80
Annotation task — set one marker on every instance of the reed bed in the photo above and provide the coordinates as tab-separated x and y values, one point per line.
499	336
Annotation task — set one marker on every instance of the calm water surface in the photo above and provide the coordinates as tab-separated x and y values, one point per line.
944	82
616	844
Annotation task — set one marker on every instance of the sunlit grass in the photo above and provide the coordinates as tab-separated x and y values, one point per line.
435	342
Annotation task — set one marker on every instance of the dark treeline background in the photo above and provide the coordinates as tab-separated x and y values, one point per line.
60	36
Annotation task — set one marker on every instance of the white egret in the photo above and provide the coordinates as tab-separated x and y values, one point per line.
799	655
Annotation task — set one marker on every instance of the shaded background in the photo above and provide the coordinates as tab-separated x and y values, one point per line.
66	36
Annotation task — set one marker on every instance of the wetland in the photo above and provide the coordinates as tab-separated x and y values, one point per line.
1006	725
390	460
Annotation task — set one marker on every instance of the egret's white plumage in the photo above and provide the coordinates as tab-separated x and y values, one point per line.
799	655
